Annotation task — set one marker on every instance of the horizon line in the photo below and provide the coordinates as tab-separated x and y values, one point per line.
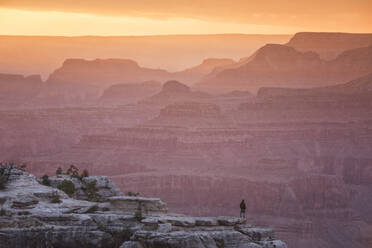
164	35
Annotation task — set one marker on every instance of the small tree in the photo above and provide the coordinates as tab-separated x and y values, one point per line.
22	167
59	171
45	180
85	173
73	171
68	187
130	193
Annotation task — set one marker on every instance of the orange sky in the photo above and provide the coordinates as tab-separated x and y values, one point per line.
150	17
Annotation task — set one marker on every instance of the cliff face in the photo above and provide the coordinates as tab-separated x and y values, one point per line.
34	215
80	81
121	94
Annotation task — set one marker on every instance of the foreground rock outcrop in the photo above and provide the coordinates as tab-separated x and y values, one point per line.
34	215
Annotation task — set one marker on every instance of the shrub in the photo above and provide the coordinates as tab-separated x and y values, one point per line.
91	191
4	174
73	171
59	171
68	187
22	167
85	173
2	212
130	193
45	180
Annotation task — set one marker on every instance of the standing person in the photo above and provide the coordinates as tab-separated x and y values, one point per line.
242	209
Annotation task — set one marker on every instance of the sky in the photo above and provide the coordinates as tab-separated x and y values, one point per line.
157	17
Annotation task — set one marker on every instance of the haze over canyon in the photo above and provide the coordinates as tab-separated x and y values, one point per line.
204	121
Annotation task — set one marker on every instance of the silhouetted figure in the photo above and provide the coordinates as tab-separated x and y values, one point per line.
242	209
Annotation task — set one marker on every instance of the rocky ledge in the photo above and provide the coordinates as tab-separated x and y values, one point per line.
35	215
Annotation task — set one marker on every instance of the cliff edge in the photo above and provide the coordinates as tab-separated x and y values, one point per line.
35	215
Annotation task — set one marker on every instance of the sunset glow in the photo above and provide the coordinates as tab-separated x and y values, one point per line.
54	23
186	17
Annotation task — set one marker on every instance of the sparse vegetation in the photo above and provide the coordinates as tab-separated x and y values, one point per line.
68	187
91	191
45	180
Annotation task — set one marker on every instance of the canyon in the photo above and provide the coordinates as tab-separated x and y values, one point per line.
287	128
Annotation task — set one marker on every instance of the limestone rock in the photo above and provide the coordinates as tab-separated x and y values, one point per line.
132	204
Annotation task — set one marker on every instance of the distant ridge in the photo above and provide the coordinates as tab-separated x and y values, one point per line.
276	65
42	54
329	45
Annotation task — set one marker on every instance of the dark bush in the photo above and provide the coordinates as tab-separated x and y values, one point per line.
130	193
2	212
138	214
73	171
22	167
68	187
4	174
45	180
59	171
85	173
91	191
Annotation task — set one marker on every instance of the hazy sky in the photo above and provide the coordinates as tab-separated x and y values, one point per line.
149	17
